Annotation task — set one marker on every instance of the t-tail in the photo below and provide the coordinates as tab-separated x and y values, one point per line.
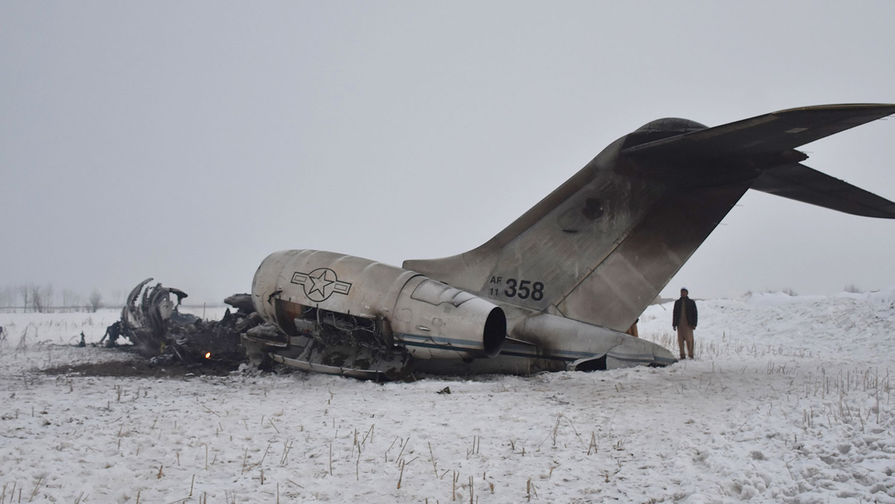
601	247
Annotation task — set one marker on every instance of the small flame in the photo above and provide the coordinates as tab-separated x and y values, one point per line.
207	355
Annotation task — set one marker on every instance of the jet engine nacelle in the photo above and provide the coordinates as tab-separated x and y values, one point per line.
429	318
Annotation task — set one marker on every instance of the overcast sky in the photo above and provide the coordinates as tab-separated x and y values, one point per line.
187	140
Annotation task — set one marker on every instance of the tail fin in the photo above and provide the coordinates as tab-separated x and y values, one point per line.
602	246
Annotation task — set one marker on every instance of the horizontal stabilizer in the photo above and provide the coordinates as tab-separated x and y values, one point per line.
799	182
765	134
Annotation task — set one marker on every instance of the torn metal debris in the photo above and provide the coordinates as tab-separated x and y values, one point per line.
329	342
151	321
323	341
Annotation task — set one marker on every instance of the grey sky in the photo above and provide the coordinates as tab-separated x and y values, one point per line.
186	140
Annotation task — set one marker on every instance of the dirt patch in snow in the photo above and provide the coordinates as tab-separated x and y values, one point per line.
141	368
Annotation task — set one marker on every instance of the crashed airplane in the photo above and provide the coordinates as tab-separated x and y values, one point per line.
557	288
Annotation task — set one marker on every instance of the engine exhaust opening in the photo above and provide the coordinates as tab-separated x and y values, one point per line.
495	332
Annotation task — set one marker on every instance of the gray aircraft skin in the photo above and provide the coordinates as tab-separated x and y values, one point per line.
557	288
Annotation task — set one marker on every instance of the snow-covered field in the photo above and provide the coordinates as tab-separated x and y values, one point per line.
788	400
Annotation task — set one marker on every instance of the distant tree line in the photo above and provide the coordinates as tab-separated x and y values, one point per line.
43	299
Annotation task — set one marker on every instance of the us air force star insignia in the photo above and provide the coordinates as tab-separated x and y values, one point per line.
320	284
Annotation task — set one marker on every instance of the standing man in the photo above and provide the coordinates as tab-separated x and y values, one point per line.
684	321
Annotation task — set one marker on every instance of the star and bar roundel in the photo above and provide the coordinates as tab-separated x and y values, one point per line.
320	284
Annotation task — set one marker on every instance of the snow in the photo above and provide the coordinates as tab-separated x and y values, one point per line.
788	400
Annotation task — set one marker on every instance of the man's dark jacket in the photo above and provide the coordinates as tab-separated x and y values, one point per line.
691	312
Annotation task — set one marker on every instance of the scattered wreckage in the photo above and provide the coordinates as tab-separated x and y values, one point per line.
151	321
328	342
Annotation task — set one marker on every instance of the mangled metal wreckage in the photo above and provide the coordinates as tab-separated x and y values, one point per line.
554	290
325	342
152	322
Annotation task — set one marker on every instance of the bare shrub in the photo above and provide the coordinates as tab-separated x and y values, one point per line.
38	300
95	302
